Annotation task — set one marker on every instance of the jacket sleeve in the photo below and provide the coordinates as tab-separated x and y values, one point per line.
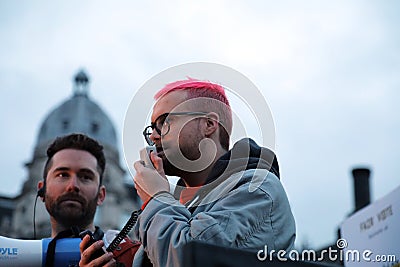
240	218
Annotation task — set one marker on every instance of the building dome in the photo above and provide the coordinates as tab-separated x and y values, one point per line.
79	114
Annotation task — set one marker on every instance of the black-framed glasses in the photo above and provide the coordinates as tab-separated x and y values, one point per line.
162	126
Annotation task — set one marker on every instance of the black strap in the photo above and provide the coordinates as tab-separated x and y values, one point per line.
71	232
51	248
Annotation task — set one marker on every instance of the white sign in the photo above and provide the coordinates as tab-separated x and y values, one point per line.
372	235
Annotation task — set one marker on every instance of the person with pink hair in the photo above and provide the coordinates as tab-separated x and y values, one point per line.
226	196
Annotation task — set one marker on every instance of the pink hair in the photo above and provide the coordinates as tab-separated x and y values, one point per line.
193	85
205	89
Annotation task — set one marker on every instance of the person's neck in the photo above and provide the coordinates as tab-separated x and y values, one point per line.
195	179
57	228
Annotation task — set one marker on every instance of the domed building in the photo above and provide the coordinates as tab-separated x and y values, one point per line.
78	114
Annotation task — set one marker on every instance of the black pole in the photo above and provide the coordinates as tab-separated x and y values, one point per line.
361	187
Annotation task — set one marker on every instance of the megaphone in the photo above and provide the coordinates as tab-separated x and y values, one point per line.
25	253
32	253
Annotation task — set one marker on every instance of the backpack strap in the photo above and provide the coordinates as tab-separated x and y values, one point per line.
51	248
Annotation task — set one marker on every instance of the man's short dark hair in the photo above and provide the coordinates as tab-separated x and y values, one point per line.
80	142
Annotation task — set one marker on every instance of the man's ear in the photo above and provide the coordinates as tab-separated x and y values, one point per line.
101	195
211	123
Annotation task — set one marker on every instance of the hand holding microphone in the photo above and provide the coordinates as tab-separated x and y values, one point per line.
145	156
150	177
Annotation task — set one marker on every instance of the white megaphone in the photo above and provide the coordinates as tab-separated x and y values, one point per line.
32	253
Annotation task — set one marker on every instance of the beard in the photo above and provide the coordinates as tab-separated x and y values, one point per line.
72	214
189	148
169	168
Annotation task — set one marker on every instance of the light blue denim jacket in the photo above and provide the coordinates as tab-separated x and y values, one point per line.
248	210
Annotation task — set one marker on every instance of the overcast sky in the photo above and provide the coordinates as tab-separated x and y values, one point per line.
329	70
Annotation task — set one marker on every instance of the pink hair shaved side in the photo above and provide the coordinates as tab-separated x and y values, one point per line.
205	90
